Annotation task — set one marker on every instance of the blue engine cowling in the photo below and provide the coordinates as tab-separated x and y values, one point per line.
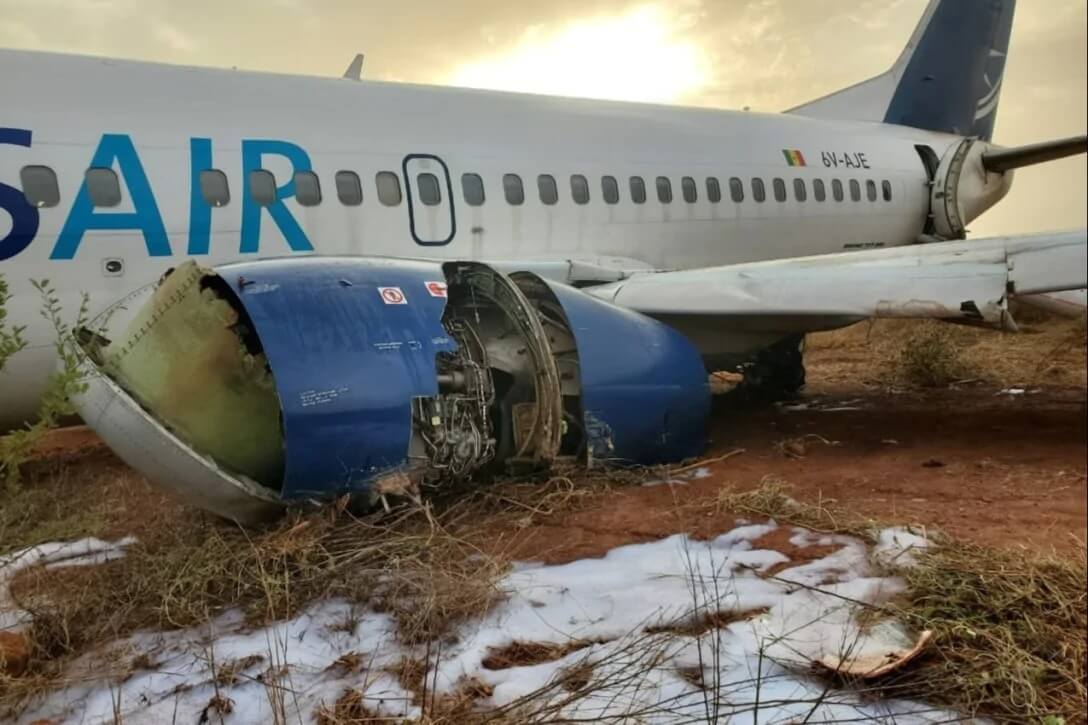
347	361
392	373
645	396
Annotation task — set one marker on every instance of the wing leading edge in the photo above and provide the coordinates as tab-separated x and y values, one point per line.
968	281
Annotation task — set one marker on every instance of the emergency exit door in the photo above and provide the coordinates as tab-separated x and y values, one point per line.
430	199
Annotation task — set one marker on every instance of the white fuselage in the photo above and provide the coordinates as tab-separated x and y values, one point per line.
169	123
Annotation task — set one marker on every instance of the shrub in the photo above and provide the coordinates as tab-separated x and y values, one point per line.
17	446
931	358
11	337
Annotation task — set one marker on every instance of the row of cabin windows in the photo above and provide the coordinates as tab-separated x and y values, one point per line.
514	191
41	189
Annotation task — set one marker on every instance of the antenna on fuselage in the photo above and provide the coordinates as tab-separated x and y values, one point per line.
355	70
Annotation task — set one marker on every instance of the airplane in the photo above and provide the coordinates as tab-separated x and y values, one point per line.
743	231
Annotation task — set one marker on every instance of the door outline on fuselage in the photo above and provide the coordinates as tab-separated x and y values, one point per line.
409	185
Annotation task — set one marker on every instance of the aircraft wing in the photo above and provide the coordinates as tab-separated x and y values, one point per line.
967	281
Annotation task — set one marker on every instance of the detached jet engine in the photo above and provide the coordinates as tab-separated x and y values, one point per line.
250	386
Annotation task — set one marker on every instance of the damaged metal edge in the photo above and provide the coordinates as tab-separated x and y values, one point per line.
142	442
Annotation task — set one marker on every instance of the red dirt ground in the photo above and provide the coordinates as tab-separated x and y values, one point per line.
991	469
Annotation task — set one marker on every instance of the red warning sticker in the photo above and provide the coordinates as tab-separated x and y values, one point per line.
392	295
437	289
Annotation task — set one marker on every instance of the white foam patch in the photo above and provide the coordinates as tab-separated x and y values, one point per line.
291	667
627	620
899	546
84	552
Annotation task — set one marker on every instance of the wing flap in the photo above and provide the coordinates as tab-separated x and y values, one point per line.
964	281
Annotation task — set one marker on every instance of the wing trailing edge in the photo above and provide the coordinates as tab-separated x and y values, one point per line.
957	281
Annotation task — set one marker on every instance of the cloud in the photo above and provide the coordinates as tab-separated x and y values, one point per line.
15	34
173	37
644	53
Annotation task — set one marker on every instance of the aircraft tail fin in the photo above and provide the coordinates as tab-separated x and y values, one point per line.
947	79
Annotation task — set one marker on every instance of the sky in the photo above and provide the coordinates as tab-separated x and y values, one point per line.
767	55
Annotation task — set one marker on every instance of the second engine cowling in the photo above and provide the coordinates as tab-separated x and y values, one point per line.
963	188
252	385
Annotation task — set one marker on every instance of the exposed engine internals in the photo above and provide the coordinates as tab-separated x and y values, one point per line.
500	400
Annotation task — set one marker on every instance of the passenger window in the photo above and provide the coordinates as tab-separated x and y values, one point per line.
388	184
429	192
214	187
472	187
40	186
687	188
262	187
855	190
736	190
307	188
104	187
579	189
610	190
819	192
887	190
799	191
638	190
549	190
759	192
713	190
870	189
349	188
836	189
664	190
779	190
513	189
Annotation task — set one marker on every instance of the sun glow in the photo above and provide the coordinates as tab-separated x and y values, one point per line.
639	55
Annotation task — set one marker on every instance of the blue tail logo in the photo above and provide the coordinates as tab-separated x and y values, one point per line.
948	78
952	79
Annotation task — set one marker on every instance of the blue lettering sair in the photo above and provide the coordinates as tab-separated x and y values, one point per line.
145	215
24	217
200	212
252	151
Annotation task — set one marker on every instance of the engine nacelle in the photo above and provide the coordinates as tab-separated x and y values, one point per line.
253	385
963	189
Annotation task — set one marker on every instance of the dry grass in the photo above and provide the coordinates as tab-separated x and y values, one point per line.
1011	625
1011	628
351	709
1046	351
40	512
772	500
421	563
522	654
415	565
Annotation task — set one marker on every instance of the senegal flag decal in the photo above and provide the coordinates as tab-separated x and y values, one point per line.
794	157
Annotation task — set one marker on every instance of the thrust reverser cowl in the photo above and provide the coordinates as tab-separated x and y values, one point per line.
253	385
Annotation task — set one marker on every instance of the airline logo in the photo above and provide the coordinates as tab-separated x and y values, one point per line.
118	152
988	103
794	157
